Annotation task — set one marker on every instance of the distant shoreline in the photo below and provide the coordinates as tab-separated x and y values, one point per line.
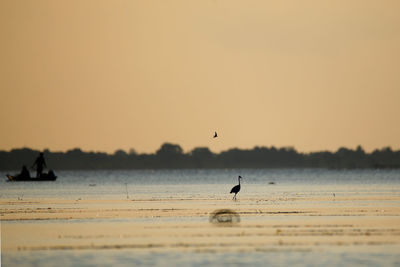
171	156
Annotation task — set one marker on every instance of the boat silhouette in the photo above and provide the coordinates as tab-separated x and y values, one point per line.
50	176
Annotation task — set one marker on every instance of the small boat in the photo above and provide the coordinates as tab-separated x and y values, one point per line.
44	177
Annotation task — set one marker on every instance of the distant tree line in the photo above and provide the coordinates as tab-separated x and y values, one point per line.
171	156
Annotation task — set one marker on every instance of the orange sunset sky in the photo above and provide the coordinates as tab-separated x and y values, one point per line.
107	75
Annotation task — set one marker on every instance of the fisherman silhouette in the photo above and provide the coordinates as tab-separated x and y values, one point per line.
39	163
24	173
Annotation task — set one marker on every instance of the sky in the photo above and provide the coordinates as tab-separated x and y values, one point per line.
107	75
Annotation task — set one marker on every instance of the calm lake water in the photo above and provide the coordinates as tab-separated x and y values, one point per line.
203	183
207	184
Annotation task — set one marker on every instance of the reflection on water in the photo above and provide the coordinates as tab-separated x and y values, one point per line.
262	258
285	215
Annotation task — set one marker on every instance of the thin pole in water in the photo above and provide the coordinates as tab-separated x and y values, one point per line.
126	187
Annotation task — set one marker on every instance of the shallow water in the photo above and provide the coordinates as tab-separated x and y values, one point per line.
268	258
341	200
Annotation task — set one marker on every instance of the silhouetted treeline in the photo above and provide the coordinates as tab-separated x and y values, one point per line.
171	156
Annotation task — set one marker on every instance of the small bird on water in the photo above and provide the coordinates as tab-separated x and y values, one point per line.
215	135
236	189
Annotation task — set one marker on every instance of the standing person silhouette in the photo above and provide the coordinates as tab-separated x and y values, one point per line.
40	163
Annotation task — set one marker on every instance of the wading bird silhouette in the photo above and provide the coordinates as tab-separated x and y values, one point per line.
236	188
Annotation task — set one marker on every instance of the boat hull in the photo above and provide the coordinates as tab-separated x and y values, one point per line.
25	179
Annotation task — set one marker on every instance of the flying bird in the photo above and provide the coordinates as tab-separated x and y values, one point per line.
215	135
236	188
